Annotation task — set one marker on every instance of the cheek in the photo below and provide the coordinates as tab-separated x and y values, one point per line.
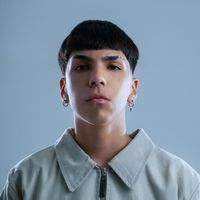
124	88
72	84
76	95
71	91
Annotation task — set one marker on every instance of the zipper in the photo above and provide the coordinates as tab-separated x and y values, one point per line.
103	184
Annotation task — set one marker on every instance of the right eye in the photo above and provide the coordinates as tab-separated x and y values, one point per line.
81	67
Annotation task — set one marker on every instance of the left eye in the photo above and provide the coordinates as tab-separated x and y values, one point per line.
81	67
114	67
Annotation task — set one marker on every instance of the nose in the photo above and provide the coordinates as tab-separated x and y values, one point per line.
97	79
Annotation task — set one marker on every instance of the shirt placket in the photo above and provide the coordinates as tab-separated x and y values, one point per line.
103	183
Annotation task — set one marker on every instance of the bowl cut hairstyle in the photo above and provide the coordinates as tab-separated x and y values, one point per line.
97	34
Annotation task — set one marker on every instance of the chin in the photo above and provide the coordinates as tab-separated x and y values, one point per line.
97	120
98	117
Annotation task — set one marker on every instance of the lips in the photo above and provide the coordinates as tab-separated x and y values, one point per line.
97	97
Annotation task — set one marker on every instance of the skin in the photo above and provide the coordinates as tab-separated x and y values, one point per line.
99	124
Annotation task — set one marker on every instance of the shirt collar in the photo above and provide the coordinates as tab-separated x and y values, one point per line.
129	163
76	165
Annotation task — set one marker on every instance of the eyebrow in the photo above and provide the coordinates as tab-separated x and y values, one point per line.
83	57
87	58
107	58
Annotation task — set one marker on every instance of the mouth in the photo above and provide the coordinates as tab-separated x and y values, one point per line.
98	98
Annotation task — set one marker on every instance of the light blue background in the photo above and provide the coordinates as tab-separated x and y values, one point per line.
168	36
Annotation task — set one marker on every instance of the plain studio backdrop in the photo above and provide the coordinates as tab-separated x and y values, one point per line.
167	34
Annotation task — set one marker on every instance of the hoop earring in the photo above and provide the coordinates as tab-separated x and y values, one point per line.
65	103
131	105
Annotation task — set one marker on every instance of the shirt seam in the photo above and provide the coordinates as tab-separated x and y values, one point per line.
12	190
12	180
108	185
195	190
98	183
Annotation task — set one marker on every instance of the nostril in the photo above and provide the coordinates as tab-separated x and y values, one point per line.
96	82
92	83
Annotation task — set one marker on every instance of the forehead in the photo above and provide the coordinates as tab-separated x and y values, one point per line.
96	54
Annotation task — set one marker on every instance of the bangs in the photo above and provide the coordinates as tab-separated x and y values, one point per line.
96	34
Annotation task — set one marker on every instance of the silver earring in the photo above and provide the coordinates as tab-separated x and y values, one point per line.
65	103
131	105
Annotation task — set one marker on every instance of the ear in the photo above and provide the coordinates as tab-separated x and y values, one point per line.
134	89
63	92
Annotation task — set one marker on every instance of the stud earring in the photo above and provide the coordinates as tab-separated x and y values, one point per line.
65	103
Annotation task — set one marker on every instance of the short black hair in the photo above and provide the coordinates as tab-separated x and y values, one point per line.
97	34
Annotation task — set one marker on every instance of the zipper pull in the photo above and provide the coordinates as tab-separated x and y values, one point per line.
103	184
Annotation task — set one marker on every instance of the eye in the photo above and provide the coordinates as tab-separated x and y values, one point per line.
114	67
81	67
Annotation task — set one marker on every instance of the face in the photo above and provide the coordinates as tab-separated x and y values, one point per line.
98	84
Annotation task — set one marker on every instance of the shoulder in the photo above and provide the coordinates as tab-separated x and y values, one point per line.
173	163
28	172
174	171
32	167
38	165
36	160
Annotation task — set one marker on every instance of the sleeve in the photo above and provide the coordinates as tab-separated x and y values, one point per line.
196	193
11	190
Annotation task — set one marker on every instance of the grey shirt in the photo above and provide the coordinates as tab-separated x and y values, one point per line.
141	171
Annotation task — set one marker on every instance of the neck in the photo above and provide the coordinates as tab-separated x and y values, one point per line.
101	142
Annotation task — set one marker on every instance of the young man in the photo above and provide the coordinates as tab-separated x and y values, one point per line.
97	159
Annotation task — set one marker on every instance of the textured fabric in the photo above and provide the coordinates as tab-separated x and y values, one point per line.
141	171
